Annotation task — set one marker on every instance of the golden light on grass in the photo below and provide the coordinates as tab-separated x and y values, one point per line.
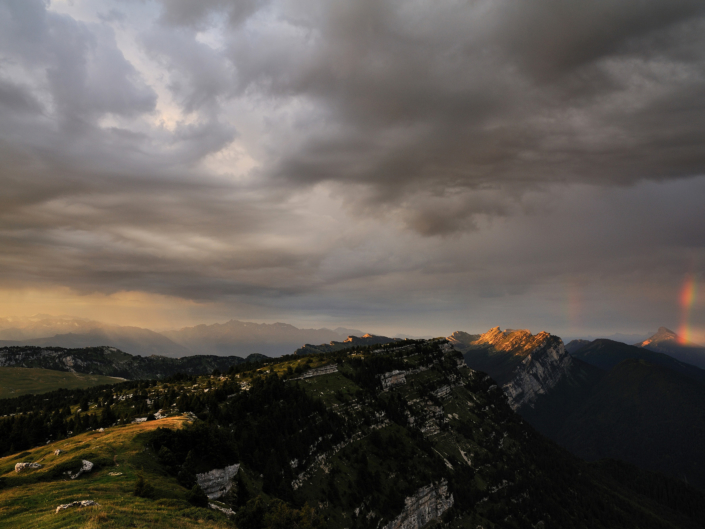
32	502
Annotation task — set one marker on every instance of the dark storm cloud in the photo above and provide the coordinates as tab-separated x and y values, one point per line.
201	149
196	14
502	94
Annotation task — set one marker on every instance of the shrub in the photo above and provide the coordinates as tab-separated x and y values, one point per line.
197	497
142	488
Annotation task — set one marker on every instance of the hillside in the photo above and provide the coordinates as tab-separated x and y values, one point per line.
348	439
30	498
109	361
606	354
644	414
575	345
668	342
16	381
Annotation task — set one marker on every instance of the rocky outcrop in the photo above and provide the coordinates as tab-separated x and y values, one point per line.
82	503
517	342
427	504
218	482
224	510
317	372
86	467
393	378
19	467
540	371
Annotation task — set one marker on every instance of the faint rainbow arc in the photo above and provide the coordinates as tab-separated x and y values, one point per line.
687	300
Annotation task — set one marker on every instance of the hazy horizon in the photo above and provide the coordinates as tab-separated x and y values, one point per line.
628	338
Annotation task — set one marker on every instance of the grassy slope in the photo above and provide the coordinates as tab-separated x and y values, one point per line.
16	381
31	498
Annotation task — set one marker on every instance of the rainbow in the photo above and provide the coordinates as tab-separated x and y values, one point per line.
687	300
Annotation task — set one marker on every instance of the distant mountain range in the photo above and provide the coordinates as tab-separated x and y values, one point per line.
243	338
602	398
628	338
220	339
112	362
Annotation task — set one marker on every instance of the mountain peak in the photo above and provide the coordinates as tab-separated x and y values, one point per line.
666	331
520	342
662	335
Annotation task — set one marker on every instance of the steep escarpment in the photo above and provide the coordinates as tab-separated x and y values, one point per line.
540	371
526	365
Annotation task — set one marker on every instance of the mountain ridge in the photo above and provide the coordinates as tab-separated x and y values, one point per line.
231	338
110	361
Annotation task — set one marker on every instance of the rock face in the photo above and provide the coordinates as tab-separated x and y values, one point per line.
429	503
19	467
525	365
391	379
540	371
227	512
217	482
317	372
517	342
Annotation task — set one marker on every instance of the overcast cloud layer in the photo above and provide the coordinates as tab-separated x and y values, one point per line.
406	166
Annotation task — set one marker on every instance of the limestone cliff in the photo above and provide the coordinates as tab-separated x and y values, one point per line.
517	342
524	364
539	372
217	482
427	504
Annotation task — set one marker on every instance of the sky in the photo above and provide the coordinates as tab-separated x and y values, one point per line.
395	166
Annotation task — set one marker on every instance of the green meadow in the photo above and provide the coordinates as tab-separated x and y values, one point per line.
16	381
